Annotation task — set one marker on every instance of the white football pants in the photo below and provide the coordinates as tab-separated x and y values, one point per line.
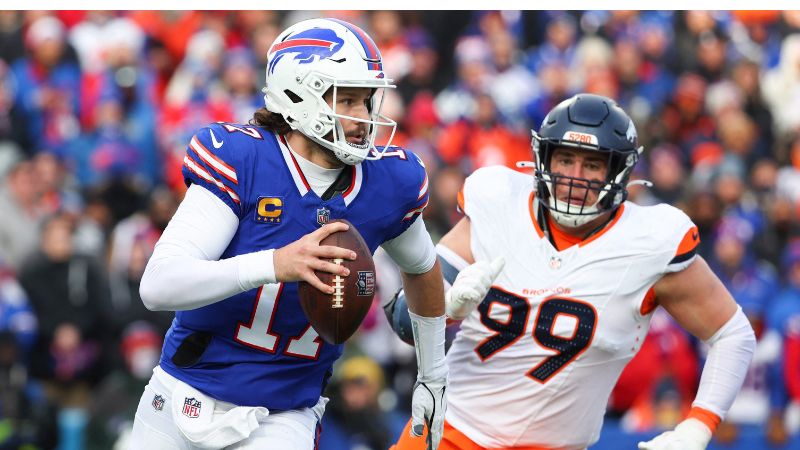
155	429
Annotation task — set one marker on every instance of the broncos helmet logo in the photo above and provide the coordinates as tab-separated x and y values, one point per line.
630	133
307	46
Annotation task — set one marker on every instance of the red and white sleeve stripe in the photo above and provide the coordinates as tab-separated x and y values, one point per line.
202	173
424	188
415	211
215	163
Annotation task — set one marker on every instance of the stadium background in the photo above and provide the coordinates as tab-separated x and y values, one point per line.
96	109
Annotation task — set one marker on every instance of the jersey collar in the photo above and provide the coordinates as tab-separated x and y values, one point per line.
533	206
301	183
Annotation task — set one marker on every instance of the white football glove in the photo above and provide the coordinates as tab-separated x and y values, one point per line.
691	434
470	287
428	405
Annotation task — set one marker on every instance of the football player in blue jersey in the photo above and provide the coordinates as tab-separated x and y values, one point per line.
241	367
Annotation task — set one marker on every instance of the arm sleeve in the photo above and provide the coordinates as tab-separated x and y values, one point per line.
413	250
730	351
185	271
397	309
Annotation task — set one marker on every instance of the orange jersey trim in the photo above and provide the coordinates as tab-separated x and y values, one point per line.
617	215
649	304
533	215
708	418
460	199
452	439
689	242
564	240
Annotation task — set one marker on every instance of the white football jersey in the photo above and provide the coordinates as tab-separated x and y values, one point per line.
535	363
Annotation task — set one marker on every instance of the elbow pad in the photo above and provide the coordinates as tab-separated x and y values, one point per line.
397	314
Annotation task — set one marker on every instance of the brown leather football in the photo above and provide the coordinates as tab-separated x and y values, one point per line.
337	316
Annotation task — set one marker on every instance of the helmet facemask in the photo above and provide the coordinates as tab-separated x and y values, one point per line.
611	192
322	124
336	140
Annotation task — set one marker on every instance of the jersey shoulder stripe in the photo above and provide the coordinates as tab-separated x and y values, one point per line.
676	235
197	169
207	156
221	156
404	172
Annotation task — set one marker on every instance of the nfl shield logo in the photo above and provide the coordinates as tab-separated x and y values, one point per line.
366	283
323	215
191	407
158	402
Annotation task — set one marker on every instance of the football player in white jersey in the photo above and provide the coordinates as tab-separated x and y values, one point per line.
557	279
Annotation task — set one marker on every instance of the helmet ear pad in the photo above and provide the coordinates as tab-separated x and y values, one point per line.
591	123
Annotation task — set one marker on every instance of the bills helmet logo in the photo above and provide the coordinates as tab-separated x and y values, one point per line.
191	407
307	46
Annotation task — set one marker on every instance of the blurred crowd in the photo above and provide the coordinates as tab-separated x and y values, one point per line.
97	107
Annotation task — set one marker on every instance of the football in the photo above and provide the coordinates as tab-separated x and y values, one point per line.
335	317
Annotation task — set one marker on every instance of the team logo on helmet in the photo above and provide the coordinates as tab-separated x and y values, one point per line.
307	46
630	134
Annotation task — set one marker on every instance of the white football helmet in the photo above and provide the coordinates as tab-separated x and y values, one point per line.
313	56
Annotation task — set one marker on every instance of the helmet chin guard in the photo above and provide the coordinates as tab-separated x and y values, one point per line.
316	56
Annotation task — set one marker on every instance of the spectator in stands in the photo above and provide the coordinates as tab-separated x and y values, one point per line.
482	140
111	420
20	197
16	314
239	78
132	242
69	294
458	101
26	417
781	87
751	282
48	87
356	418
422	75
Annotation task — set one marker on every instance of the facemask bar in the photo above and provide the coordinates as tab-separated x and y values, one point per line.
376	120
573	183
612	186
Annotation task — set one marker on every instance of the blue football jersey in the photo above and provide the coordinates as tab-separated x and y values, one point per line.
257	348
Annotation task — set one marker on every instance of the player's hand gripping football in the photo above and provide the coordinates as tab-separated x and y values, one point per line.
298	260
470	287
691	434
428	405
